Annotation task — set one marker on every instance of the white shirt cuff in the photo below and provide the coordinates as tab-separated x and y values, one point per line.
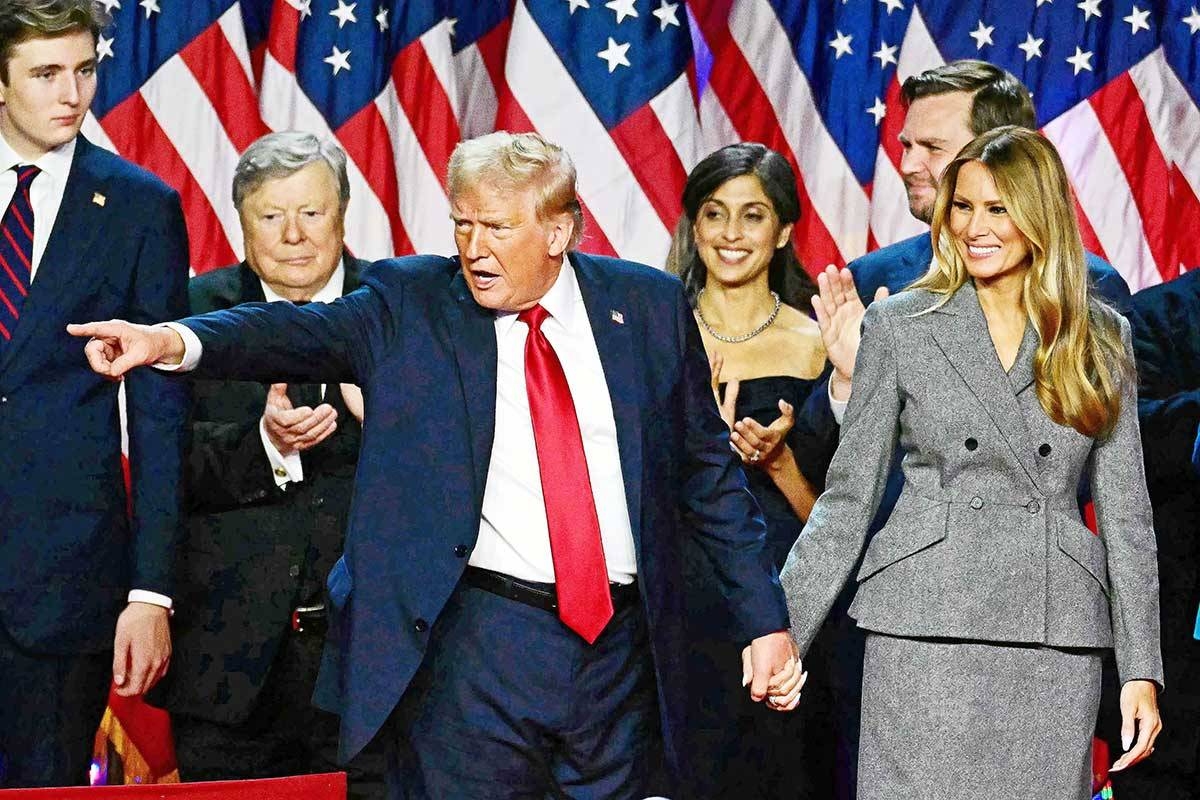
153	598
838	407
286	469
192	349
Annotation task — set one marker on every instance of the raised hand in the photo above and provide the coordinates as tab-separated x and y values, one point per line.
839	315
118	346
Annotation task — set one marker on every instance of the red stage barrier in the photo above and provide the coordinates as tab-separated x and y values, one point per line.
327	786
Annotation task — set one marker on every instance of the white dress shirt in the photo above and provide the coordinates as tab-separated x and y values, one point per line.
45	196
514	537
45	193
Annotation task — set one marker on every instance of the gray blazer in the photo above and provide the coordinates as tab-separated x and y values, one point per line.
986	542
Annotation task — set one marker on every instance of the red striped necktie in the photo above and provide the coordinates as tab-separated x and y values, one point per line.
16	252
580	574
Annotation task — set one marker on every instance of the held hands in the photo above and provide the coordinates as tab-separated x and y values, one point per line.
839	315
1139	713
141	649
296	429
117	346
771	667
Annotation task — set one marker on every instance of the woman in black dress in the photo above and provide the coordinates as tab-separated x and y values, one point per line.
734	253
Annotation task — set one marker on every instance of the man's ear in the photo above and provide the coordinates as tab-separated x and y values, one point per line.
561	227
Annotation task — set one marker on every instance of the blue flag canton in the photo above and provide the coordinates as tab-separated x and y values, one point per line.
1064	52
474	19
345	49
1181	43
621	54
849	53
143	36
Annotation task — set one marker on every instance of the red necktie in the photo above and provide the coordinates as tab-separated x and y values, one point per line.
16	252
580	574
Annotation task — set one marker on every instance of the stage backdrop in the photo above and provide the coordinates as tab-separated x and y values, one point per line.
638	91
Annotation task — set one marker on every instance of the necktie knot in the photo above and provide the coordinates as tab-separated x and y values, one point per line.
25	174
534	317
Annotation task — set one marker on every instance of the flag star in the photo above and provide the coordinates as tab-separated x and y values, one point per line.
886	54
303	6
1081	60
1193	21
109	5
450	23
877	110
982	35
104	47
892	5
1032	47
614	54
1138	20
382	20
1090	8
666	14
1041	2
151	7
344	13
841	45
577	4
623	9
338	59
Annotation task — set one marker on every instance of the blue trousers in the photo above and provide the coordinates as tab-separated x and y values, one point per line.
510	703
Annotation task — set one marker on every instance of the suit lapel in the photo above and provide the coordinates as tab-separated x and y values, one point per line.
962	335
613	333
69	250
472	332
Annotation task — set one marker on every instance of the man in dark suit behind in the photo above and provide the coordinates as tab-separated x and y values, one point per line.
539	439
1165	322
83	233
270	473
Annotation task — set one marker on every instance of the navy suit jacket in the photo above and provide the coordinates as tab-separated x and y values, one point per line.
425	355
68	551
896	266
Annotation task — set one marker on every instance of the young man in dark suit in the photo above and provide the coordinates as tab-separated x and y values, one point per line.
83	232
540	437
270	472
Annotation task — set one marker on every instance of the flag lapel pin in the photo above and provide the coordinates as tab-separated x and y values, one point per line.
617	316
99	199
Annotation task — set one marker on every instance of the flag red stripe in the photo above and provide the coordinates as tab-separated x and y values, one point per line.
211	58
652	159
368	143
135	132
285	27
426	105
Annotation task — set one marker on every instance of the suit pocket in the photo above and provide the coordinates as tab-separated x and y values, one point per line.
907	532
1085	548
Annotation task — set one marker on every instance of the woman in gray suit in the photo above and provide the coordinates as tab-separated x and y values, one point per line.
987	600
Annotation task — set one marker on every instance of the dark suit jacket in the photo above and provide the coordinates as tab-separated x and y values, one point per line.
253	551
425	355
68	552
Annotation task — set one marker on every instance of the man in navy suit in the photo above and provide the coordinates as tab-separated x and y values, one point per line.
539	439
83	233
945	108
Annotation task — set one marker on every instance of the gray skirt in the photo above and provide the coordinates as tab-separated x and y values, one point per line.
954	720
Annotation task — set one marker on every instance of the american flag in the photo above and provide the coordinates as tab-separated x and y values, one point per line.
638	91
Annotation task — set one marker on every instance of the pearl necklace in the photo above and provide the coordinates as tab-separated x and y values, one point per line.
744	337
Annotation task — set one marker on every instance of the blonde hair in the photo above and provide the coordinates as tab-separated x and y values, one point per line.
518	161
1080	361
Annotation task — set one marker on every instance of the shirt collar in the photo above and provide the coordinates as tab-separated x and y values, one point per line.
331	291
56	163
561	301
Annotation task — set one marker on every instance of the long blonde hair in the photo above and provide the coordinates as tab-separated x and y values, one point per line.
1081	360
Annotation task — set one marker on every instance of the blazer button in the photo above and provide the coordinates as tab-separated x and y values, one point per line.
318	502
420	626
971	444
976	503
1033	506
1045	450
460	550
294	570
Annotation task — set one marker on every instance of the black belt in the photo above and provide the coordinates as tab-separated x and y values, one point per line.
540	595
309	619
